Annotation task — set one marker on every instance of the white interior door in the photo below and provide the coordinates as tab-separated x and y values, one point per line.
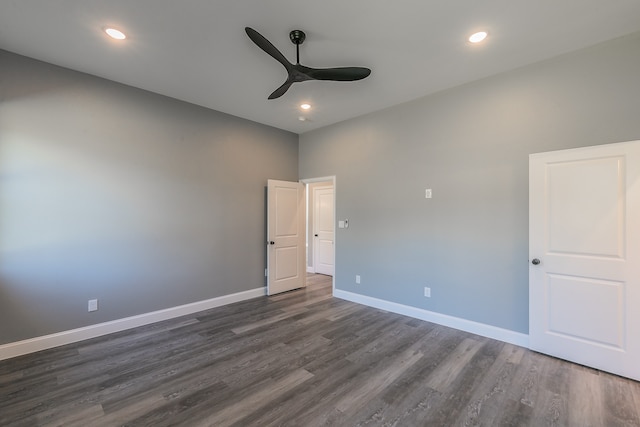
323	230
285	236
584	275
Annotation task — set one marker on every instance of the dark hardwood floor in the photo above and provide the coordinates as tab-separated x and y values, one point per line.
303	359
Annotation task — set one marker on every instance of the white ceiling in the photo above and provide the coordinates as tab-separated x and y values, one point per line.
197	50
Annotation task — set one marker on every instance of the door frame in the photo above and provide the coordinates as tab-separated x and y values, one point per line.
332	179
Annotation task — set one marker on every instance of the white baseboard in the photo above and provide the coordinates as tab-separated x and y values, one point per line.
482	329
32	345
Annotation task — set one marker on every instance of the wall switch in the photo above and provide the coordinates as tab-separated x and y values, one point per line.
93	305
340	224
428	193
357	279
427	292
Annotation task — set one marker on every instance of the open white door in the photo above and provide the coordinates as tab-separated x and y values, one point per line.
584	276
323	230
285	236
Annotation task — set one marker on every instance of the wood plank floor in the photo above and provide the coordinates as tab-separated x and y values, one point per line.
304	359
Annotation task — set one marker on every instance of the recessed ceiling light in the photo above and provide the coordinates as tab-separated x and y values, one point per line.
305	106
115	34
478	37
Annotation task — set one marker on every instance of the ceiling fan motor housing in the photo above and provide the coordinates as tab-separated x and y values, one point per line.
297	36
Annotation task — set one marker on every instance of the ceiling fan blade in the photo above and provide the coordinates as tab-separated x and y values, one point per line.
298	72
341	74
266	45
281	90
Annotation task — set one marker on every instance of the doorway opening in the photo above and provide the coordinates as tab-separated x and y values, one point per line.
320	225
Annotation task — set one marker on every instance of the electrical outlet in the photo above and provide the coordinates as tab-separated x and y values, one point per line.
427	292
93	305
428	193
357	279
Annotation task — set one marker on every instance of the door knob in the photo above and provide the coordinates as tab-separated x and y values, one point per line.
315	235
535	261
271	242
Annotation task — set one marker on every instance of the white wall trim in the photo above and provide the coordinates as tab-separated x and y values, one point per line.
482	329
32	345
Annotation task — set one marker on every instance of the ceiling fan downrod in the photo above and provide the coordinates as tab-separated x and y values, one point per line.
297	37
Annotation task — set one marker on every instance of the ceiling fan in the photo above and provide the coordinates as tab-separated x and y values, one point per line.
300	73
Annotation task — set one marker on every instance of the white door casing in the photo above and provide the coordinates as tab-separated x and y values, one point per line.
323	230
285	236
584	248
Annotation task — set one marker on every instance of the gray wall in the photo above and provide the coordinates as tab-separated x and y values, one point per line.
110	192
470	145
